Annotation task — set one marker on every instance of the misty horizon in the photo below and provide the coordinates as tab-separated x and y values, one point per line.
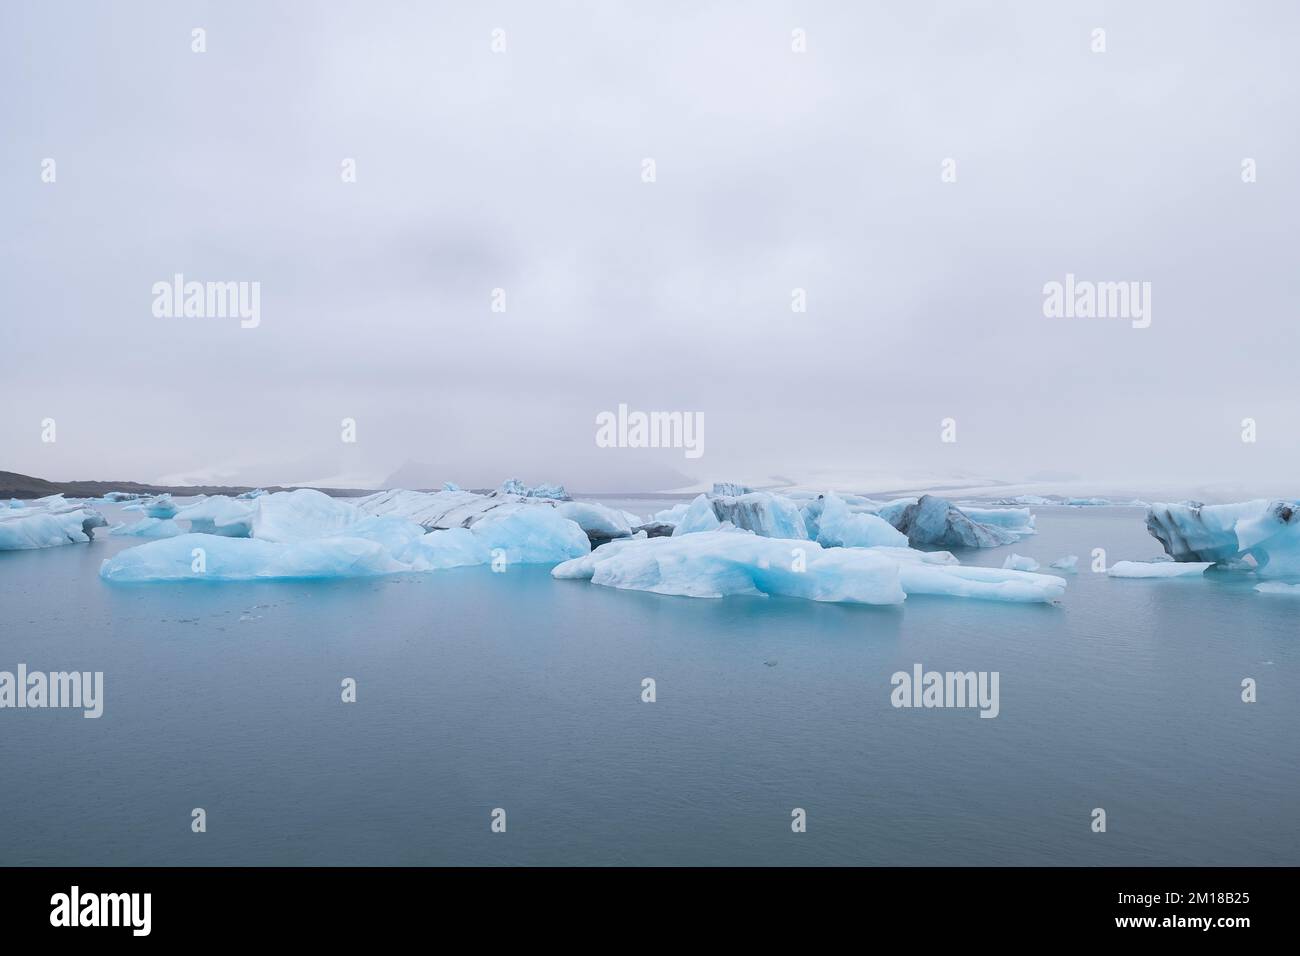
917	219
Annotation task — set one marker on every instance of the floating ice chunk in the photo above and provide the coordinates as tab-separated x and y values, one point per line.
1018	562
300	515
837	527
1158	569
532	536
718	564
699	516
452	548
1267	531
159	506
715	565
395	535
47	523
766	514
1278	587
935	522
250	495
671	516
730	489
438	509
987	584
1069	563
149	528
247	559
219	514
450	486
596	519
513	486
1019	521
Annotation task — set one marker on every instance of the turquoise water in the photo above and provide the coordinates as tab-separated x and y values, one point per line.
479	690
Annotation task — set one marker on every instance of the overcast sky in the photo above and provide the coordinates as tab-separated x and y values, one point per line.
522	170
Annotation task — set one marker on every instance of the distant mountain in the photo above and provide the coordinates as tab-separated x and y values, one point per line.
14	485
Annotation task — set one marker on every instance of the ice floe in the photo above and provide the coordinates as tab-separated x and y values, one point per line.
1158	569
730	562
935	522
299	535
1265	531
149	528
46	523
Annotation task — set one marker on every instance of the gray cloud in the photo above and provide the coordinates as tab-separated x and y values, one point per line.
522	171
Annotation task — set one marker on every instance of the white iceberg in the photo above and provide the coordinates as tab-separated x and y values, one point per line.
1069	564
149	528
1278	587
1265	531
1018	562
715	564
300	515
766	514
450	548
369	545
47	523
837	527
159	506
205	557
219	514
699	517
532	536
1018	521
513	486
438	510
1158	569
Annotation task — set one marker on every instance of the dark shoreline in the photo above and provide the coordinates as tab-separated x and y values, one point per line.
25	487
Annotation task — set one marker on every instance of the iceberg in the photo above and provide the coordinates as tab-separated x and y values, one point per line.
987	584
1158	569
766	514
438	510
712	565
149	528
532	536
452	548
47	523
247	559
1069	564
1019	521
935	522
597	520
722	563
730	489
300	515
837	527
159	506
1265	531
1278	587
219	514
1018	562
513	486
699	516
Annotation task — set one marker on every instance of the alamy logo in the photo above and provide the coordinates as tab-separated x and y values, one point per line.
103	909
1082	299
37	689
948	689
208	300
624	429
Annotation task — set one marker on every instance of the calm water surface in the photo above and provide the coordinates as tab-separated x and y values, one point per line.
479	690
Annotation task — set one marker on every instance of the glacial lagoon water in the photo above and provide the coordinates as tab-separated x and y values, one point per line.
479	690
